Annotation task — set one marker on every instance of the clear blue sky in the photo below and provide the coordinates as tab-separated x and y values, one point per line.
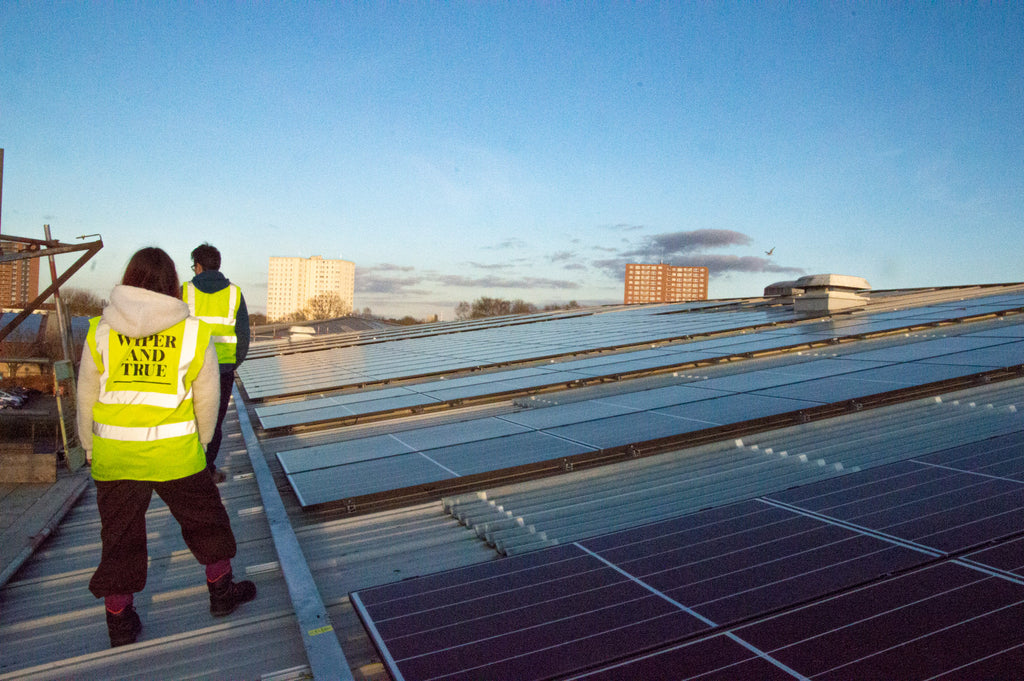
522	150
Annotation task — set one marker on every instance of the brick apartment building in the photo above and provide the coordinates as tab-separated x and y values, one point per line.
19	280
665	283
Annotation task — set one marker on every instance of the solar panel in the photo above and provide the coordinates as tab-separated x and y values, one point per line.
1006	331
1007	355
1008	557
566	609
1001	457
913	568
923	349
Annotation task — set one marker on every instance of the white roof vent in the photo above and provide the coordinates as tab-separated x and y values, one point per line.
827	293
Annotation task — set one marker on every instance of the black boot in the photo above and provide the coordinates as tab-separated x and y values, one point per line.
124	627
226	595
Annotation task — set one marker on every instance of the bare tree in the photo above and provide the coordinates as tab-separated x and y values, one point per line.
493	307
81	303
326	306
520	306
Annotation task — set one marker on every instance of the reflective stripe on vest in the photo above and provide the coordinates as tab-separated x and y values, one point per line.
142	434
210	307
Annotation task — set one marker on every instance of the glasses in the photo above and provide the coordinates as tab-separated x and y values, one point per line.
194	267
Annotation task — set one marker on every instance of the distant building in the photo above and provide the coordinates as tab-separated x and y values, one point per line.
19	280
293	282
665	283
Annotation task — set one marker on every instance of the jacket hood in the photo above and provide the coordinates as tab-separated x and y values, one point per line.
210	281
138	312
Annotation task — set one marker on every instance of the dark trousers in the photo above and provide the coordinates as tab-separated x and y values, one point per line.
193	501
227	382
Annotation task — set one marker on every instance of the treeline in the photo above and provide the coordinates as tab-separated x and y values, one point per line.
496	307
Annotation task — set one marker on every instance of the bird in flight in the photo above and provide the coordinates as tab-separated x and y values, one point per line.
769	252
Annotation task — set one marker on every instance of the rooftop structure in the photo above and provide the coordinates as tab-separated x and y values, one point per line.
719	486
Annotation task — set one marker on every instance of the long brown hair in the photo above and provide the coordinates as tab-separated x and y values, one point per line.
151	268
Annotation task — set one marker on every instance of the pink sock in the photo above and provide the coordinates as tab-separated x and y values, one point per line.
215	571
118	602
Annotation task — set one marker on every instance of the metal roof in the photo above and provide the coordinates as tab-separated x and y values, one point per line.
52	628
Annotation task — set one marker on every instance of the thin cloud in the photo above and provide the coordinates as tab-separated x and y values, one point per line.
491	266
721	264
458	280
674	244
384	267
382	279
717	265
507	244
378	284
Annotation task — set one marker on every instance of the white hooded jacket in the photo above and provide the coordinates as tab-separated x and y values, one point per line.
138	312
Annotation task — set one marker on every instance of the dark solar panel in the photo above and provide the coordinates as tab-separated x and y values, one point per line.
334	484
946	621
910	570
938	507
735	408
718	658
1001	457
616	431
341	453
924	349
563	414
566	609
1008	355
667	396
1008	557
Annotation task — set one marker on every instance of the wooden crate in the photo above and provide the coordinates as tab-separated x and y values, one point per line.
19	463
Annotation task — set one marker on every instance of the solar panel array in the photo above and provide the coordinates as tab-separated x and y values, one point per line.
383	364
910	570
495	345
345	471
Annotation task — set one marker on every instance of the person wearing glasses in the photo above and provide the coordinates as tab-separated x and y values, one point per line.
214	299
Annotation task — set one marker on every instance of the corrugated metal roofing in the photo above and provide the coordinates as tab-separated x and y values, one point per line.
52	628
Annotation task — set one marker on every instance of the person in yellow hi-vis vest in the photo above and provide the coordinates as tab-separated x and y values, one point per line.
148	391
214	299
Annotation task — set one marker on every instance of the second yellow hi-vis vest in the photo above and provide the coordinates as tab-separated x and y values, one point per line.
144	423
219	310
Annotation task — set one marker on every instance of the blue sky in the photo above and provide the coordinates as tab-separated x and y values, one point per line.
522	150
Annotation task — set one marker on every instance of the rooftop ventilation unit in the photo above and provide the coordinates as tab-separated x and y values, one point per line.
828	293
785	291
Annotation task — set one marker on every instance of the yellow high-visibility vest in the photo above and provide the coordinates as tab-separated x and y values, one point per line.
219	310
144	423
